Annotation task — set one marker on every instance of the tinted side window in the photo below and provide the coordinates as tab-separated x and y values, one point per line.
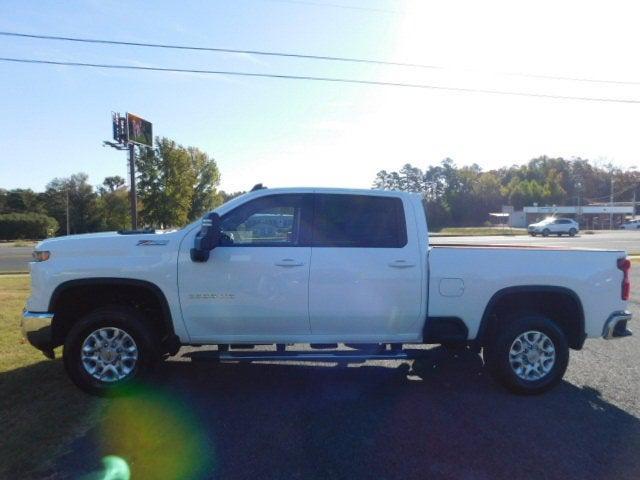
275	220
358	221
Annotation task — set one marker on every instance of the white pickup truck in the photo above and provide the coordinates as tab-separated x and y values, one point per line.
321	267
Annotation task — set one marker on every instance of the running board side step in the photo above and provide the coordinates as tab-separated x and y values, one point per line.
302	356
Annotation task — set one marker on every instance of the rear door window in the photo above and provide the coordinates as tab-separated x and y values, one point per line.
364	221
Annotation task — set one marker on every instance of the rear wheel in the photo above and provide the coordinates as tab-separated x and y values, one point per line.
545	232
108	349
529	355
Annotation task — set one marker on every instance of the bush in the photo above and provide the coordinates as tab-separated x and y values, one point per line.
26	225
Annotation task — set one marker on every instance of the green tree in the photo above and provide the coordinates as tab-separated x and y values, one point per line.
83	213
175	184
113	204
22	200
224	197
207	179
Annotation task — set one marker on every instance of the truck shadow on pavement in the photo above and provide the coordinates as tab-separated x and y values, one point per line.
440	419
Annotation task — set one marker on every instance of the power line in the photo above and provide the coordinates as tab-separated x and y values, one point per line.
322	79
310	57
216	49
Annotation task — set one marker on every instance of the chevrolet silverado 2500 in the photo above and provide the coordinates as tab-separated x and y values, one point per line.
321	267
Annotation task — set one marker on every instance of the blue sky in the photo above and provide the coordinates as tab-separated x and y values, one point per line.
286	133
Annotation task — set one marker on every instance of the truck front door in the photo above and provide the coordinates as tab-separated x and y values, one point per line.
255	285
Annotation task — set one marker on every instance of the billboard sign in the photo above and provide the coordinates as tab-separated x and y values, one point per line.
139	131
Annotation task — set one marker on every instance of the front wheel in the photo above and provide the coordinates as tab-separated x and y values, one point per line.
545	232
529	355
572	232
107	349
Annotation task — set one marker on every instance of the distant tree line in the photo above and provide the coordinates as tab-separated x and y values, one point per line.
464	196
175	185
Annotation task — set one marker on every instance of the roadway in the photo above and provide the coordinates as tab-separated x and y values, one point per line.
628	241
14	259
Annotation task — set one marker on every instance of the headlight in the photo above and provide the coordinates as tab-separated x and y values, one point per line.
41	255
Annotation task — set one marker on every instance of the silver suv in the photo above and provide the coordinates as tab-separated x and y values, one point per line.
631	225
554	226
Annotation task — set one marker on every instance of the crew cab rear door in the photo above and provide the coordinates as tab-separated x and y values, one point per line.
366	280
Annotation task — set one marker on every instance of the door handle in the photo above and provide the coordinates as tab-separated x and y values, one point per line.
289	262
401	264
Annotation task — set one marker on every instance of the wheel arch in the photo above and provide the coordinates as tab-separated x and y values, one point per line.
110	287
573	325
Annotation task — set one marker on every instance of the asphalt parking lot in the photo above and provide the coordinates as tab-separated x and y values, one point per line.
436	418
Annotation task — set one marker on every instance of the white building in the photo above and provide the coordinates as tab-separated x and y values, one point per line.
589	216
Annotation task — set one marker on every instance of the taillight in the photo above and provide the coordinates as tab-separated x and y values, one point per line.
624	264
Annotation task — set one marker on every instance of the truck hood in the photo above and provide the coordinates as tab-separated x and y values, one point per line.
110	243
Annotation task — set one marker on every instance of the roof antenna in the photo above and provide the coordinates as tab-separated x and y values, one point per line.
258	186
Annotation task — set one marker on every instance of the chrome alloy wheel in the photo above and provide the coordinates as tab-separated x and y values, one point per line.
109	354
532	355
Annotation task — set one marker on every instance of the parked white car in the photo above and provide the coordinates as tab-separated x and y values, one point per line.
321	267
631	225
554	226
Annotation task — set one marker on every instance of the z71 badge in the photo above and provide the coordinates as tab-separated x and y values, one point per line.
151	243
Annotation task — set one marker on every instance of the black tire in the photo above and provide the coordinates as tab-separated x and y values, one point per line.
129	321
572	232
533	234
496	353
545	232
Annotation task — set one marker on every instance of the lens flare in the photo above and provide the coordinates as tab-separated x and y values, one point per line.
115	468
158	435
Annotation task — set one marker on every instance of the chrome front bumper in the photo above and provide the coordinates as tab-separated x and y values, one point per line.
616	325
36	328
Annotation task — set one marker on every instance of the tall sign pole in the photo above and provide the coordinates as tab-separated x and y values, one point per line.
133	196
129	131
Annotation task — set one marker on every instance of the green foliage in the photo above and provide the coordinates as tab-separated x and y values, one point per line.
21	200
113	204
26	225
207	178
465	196
224	197
83	211
176	184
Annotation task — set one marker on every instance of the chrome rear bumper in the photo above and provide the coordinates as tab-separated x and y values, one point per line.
616	325
36	328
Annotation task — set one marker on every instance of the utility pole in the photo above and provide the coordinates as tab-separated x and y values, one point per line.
633	203
67	210
611	206
133	195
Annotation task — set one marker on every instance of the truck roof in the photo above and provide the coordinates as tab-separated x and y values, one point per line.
350	191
